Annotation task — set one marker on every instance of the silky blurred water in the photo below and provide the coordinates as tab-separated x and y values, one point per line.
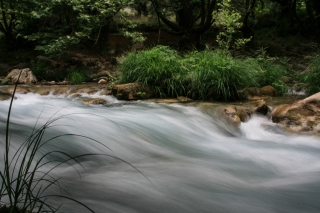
188	160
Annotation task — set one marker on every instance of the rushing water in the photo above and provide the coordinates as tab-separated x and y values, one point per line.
190	163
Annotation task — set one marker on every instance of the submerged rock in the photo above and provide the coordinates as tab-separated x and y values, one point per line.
5	96
132	91
26	77
301	116
94	101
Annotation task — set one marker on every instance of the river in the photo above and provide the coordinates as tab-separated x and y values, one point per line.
172	158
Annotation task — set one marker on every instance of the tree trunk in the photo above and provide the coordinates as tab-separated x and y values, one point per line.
190	41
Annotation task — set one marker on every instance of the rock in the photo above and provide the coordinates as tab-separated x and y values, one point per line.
253	91
94	101
244	113
264	91
230	113
26	77
103	81
22	90
183	99
227	118
132	91
84	89
106	92
5	96
268	90
301	116
75	95
262	108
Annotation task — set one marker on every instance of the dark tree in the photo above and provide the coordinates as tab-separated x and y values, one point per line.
193	18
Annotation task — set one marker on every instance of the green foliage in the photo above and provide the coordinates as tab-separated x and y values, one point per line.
209	74
271	70
5	81
158	67
39	69
216	74
77	77
229	20
312	78
69	22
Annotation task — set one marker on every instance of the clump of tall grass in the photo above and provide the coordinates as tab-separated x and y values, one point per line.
216	74
209	74
271	73
312	78
158	67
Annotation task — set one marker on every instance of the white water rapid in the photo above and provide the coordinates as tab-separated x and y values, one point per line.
189	163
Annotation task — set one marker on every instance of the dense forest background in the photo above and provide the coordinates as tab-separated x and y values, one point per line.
42	34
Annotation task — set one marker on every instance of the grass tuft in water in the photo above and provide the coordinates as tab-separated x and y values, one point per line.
26	177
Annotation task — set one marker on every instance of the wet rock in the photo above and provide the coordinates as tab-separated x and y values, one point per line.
230	115
41	90
94	101
22	90
132	91
26	77
264	91
5	96
75	95
184	99
105	92
301	116
60	90
244	113
84	89
103	81
262	108
268	90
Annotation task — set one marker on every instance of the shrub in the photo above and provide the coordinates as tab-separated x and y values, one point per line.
312	78
271	72
216	74
77	77
158	67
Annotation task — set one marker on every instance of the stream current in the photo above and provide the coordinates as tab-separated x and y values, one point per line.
189	162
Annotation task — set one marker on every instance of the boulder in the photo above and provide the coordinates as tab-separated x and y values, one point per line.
227	118
262	108
132	91
26	77
268	90
301	116
264	91
244	113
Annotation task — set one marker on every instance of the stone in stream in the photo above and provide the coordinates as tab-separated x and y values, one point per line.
94	101
302	116
262	108
26	77
132	91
